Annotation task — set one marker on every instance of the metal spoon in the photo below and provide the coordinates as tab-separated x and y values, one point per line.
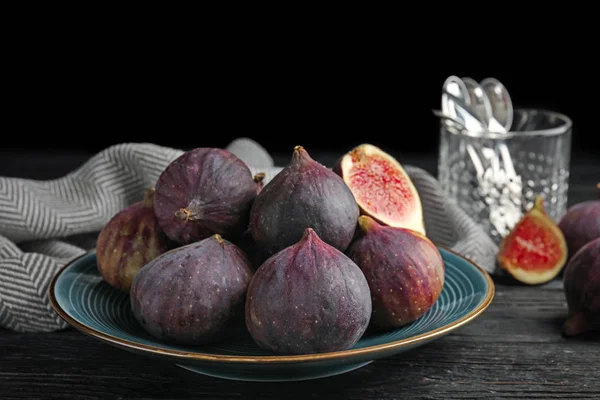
457	88
481	105
459	111
449	120
502	107
479	101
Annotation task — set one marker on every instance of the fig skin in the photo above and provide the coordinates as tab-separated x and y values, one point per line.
130	240
202	192
308	298
523	252
382	188
305	194
405	271
582	290
194	294
581	224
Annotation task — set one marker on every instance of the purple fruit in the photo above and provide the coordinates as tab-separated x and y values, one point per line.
304	194
405	271
194	294
581	224
203	192
130	240
308	298
582	289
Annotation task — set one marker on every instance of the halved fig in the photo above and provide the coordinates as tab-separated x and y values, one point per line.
535	250
381	187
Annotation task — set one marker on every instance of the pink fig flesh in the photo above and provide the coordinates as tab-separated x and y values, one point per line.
382	188
535	250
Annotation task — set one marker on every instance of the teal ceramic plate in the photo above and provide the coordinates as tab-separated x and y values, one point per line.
85	301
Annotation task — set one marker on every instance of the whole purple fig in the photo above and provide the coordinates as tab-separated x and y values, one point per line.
581	224
582	289
202	192
308	298
130	240
194	294
405	271
304	194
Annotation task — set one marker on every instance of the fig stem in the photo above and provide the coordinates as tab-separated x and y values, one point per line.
539	203
259	177
218	238
307	232
149	197
367	223
575	324
300	154
184	213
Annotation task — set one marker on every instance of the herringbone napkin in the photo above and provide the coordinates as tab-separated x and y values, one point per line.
44	224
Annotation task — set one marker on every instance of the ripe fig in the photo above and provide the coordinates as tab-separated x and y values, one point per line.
535	251
581	224
130	240
382	188
308	298
405	271
304	194
582	289
202	192
194	294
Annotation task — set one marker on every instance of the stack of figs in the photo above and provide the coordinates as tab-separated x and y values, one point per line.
308	262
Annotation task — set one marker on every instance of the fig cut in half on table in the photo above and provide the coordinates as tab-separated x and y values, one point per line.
382	188
535	250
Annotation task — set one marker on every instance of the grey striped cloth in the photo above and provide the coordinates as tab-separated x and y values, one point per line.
44	224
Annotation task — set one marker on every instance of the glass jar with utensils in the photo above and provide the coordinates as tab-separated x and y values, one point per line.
495	160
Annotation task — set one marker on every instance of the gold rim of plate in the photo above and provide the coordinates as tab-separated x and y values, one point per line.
275	359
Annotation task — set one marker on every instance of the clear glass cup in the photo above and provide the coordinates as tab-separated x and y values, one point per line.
496	177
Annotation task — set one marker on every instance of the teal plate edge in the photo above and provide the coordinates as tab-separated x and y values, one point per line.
352	359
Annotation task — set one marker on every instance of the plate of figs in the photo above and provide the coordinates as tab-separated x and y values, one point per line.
317	272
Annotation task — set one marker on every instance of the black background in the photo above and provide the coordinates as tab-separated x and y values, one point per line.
85	98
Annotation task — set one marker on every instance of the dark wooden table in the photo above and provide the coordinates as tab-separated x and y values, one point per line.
514	350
